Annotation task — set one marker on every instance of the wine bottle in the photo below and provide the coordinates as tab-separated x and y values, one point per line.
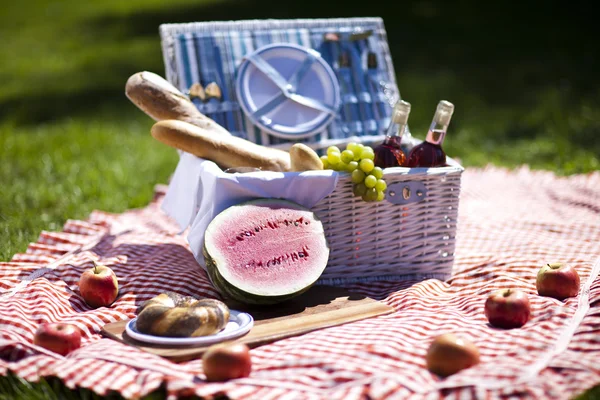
430	153
389	153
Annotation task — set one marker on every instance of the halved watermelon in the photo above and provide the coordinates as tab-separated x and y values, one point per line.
265	251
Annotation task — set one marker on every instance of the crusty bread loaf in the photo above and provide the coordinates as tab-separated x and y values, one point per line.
160	100
171	314
226	151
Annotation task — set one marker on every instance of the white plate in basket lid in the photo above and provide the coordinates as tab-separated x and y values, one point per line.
288	90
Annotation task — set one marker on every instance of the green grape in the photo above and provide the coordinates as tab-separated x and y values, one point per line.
366	165
339	166
357	150
370	181
377	172
334	158
380	185
325	162
347	156
359	189
380	195
351	166
333	149
370	195
352	146
358	176
367	153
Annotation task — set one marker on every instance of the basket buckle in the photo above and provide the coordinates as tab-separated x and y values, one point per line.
406	192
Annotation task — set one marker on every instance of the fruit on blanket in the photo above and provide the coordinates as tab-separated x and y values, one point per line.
58	337
225	150
449	353
265	251
99	286
159	99
173	315
507	308
558	280
226	361
303	158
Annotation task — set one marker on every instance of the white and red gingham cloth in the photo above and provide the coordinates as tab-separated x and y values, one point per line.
510	223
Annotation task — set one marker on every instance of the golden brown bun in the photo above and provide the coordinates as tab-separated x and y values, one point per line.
173	315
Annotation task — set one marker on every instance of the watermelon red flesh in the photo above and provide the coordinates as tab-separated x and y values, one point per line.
267	247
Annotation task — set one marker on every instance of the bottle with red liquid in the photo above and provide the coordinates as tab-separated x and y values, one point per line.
430	153
389	153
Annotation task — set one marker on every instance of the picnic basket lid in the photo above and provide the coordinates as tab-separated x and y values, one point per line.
353	53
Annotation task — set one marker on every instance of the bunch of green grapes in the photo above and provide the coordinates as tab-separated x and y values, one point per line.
357	159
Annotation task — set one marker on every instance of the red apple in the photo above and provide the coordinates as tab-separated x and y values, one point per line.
58	337
449	353
557	280
507	308
226	361
99	286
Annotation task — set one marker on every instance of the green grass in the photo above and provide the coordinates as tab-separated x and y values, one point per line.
14	388
523	78
66	170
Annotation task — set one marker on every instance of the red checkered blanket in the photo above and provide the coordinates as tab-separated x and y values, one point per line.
510	223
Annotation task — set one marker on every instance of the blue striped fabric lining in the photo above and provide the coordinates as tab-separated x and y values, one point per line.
206	57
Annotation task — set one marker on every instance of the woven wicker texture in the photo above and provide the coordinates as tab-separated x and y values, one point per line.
379	241
510	223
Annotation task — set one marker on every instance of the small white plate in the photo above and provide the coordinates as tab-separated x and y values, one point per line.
239	324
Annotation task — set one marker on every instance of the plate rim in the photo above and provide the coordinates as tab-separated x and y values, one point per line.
302	134
191	341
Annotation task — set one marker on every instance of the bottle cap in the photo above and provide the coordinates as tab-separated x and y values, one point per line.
443	113
401	112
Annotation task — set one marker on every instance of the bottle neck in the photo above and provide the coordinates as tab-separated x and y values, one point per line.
436	134
396	129
440	122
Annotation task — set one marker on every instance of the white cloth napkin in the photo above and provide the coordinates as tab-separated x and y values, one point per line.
199	190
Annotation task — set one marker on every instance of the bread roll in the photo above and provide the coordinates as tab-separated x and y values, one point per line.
173	315
303	158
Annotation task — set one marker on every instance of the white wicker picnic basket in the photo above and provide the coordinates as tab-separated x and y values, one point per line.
409	235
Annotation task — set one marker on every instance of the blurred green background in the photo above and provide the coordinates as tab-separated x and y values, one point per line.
523	78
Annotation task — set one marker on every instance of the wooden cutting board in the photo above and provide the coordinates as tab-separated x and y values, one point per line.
318	308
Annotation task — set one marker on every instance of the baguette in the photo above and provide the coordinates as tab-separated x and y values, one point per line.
162	101
226	151
303	158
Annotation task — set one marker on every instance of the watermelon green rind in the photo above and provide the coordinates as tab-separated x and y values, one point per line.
215	265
